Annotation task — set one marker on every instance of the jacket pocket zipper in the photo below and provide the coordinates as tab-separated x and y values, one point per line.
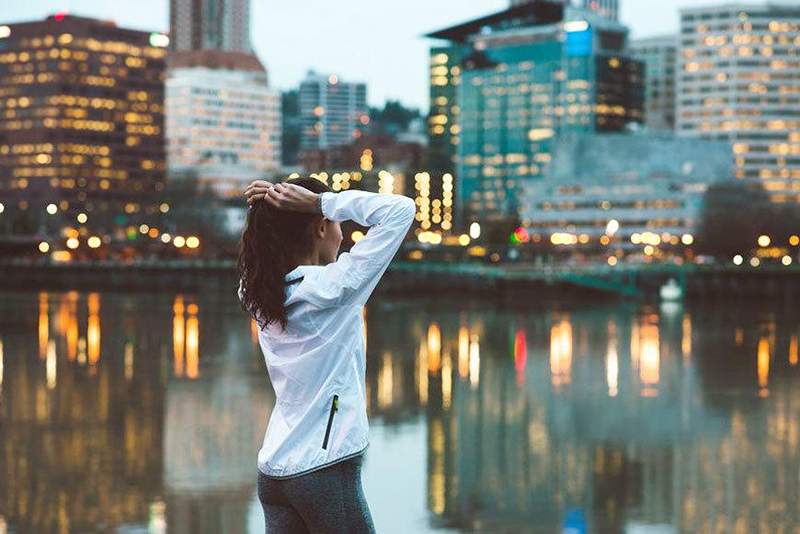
334	408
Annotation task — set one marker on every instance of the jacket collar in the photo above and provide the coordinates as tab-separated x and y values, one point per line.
296	274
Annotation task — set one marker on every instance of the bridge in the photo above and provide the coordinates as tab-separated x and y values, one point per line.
618	280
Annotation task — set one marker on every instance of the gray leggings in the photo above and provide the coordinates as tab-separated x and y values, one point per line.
330	500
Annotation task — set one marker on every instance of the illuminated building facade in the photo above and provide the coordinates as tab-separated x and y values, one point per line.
368	153
738	81
333	112
660	56
210	25
223	120
81	114
443	128
381	164
652	187
525	76
607	8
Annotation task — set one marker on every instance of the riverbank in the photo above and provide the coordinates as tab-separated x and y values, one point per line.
513	281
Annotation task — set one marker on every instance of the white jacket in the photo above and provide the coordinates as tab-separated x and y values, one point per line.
317	366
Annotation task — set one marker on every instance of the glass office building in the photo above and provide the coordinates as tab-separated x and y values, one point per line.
526	76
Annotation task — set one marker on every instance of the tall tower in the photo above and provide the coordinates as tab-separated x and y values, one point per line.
210	25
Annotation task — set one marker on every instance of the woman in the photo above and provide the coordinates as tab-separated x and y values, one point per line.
307	303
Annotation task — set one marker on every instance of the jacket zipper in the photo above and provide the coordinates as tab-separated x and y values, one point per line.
334	408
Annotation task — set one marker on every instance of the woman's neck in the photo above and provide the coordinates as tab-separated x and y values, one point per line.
312	259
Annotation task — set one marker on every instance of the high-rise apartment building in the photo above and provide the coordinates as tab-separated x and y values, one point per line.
333	112
739	80
660	56
210	24
223	120
81	114
607	8
509	84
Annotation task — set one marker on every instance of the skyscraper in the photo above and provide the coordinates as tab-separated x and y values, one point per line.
223	120
660	56
81	114
210	24
508	84
607	8
739	80
333	112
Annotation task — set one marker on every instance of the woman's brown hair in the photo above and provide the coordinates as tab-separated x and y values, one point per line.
272	243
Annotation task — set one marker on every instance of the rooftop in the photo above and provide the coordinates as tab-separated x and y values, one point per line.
535	13
215	59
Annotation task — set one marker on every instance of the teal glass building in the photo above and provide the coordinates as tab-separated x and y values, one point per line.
527	75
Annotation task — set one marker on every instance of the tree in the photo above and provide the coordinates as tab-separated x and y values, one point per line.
393	119
196	210
735	214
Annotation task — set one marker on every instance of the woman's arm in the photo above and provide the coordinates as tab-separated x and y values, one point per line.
351	279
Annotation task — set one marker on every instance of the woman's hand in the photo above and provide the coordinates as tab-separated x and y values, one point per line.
283	196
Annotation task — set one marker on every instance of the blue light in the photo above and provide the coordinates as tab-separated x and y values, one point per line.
579	43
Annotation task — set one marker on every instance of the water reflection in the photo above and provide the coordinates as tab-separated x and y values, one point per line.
147	412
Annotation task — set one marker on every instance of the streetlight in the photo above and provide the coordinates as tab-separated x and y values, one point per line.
475	230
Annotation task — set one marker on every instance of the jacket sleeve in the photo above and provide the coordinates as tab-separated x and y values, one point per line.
351	279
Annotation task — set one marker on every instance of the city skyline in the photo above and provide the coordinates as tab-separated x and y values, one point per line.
399	75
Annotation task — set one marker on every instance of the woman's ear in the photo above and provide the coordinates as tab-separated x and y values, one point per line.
321	227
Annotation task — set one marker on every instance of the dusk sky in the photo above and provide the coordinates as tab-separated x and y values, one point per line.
379	42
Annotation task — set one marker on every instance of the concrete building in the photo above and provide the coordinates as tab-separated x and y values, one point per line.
739	80
607	8
507	85
333	112
653	184
81	116
660	56
223	120
212	25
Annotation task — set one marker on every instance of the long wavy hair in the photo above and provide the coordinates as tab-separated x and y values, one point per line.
272	243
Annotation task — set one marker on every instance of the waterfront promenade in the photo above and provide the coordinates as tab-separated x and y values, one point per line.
415	277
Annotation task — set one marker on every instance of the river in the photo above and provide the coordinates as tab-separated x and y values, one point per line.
144	413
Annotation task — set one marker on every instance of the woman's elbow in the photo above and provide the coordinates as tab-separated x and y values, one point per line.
409	207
